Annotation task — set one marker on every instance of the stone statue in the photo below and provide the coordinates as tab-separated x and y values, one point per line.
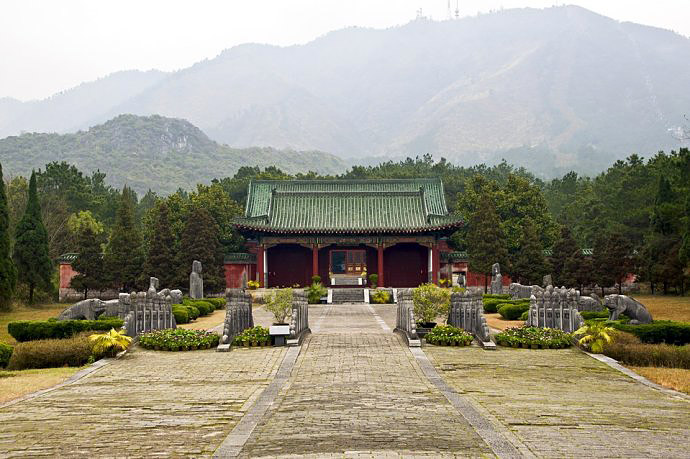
590	303
196	282
176	296
621	304
496	279
90	309
153	286
546	281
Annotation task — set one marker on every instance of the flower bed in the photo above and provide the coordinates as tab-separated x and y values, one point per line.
257	336
178	339
535	338
447	335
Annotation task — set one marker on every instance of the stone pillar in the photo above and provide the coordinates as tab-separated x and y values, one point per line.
315	261
380	267
260	266
435	263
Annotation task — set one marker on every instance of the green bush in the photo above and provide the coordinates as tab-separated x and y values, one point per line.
192	311
588	315
29	330
628	349
205	308
257	336
5	354
279	303
316	279
50	353
447	335
373	280
430	301
315	292
380	297
218	303
525	315
181	313
178	339
497	296
534	337
510	311
491	304
659	331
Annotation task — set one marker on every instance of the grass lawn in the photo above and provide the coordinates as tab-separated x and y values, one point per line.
497	322
673	378
15	384
36	312
204	323
667	307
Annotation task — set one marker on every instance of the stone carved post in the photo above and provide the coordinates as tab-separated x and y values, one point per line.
196	281
496	279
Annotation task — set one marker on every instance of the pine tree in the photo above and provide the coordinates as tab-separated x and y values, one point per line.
529	265
200	241
31	253
160	260
612	260
89	262
486	243
8	272
563	249
124	255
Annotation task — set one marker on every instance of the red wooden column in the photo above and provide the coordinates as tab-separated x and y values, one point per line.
380	267
435	263
260	265
315	260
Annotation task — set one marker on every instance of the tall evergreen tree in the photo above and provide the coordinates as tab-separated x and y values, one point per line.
200	241
486	243
31	253
124	255
564	248
160	260
612	260
529	264
8	272
89	262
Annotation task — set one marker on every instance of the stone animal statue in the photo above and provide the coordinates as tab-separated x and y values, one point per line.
196	282
621	304
590	303
176	296
547	280
90	309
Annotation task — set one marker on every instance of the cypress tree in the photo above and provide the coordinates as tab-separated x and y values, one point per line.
160	260
89	262
200	240
31	253
8	272
611	260
529	265
486	243
564	248
124	255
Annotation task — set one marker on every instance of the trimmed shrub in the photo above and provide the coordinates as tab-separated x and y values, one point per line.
29	330
497	296
192	311
491	305
205	308
510	311
218	303
589	315
256	336
659	331
380	297
447	335
525	315
373	280
5	354
178	339
50	353
547	338
181	313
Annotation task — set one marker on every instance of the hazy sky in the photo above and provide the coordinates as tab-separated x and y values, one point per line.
47	46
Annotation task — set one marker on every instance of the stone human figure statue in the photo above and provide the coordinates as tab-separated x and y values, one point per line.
496	279
196	282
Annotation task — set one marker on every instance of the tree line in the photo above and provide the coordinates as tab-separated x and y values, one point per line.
635	217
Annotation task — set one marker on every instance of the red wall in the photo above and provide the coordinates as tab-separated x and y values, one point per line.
477	280
234	272
66	274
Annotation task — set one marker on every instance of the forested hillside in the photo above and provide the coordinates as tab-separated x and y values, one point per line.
154	152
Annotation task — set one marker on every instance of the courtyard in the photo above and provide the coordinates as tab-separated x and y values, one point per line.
351	389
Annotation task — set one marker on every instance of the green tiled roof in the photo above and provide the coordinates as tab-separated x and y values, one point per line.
240	258
67	257
346	206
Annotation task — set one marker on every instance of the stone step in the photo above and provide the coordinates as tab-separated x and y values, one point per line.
348	295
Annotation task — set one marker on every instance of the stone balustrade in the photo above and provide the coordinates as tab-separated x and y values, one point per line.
145	311
299	321
405	322
555	308
238	316
467	312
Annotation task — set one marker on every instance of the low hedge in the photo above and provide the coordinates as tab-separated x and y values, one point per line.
628	349
5	354
497	296
525	315
589	315
659	331
447	335
30	330
181	313
492	305
535	338
511	311
178	339
256	336
51	353
218	303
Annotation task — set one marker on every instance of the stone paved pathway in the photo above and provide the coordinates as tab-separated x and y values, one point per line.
360	394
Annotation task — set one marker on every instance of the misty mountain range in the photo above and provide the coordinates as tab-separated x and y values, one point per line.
554	89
